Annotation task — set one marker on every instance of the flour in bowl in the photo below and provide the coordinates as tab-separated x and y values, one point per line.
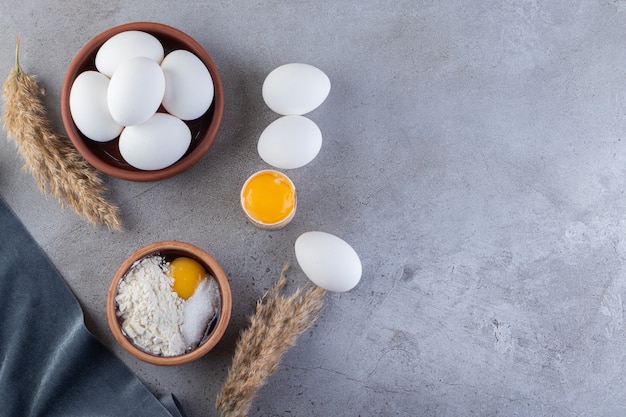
152	314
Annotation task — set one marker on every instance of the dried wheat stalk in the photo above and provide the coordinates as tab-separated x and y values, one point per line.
274	328
56	166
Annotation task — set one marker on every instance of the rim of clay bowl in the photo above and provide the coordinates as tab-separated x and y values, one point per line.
104	156
171	247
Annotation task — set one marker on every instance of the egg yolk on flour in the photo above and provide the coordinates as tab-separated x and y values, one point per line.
269	197
187	274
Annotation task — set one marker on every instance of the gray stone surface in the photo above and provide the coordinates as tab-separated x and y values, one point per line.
473	157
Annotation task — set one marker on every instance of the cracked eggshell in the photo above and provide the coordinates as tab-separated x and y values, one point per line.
328	261
155	144
290	142
89	108
295	88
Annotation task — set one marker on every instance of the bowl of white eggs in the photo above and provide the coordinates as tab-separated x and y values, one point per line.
142	101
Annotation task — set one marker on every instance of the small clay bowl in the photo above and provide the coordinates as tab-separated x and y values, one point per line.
105	156
170	250
271	198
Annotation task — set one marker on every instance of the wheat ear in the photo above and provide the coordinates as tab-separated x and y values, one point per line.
56	166
274	328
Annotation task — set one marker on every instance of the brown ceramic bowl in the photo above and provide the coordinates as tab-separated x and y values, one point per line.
105	156
170	250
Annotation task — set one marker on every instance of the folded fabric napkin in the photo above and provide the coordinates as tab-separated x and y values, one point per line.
50	365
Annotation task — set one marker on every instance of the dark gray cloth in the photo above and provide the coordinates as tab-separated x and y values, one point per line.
50	364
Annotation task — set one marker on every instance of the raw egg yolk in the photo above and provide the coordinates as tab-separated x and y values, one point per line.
269	197
187	274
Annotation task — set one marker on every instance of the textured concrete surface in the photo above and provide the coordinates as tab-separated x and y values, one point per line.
472	155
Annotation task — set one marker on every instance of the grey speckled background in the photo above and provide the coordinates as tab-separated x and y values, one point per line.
473	157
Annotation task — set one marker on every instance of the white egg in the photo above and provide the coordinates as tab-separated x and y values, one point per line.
295	88
135	91
123	46
188	85
155	144
89	108
329	261
290	142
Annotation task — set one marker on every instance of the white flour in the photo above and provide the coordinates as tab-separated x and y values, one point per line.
155	318
151	312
